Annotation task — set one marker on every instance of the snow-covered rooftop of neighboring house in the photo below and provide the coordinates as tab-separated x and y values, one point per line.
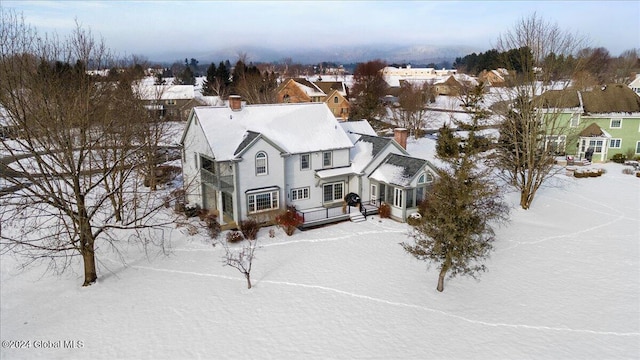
310	90
166	92
295	128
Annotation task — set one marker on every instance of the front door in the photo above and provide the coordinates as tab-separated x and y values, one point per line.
227	204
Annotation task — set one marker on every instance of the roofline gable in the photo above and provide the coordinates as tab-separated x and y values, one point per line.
240	151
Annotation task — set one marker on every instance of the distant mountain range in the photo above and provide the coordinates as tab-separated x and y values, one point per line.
416	54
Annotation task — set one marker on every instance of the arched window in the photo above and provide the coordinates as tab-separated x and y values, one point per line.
286	98
261	163
335	99
425	178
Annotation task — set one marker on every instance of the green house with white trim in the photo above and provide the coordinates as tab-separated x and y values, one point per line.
605	119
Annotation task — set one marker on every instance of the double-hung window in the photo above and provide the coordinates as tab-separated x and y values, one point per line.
327	160
615	123
615	143
305	161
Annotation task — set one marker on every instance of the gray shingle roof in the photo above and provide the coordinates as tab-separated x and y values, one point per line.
378	143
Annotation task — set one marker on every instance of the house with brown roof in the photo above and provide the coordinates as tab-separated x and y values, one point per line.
603	120
495	78
300	90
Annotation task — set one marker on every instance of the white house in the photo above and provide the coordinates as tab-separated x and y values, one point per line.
635	85
246	161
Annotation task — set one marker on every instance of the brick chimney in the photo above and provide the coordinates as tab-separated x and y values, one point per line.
400	136
235	102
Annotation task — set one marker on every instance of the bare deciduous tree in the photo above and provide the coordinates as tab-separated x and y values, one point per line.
72	162
367	91
532	123
240	258
411	111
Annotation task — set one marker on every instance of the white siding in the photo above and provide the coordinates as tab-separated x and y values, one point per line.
247	178
194	143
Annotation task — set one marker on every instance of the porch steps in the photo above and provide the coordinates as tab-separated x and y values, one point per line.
357	217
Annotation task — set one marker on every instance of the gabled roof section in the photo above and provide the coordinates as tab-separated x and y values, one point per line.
293	128
378	143
329	86
613	98
593	130
398	170
564	99
308	87
249	138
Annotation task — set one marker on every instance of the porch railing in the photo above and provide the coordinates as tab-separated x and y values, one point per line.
222	183
323	214
335	214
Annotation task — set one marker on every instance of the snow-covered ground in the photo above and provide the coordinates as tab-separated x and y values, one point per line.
563	283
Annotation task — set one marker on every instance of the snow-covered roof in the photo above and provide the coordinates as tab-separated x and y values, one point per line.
311	91
294	128
361	155
329	173
391	174
166	92
398	169
355	129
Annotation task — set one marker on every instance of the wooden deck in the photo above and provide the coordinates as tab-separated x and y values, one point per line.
322	216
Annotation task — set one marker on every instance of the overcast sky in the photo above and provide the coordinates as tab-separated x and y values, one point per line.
153	27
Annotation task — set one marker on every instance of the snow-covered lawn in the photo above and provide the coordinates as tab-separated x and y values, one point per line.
563	283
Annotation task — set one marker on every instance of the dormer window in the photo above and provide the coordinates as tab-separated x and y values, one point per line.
261	163
335	99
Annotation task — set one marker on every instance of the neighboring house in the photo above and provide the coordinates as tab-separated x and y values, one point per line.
252	161
338	104
635	85
495	78
605	119
393	75
170	102
332	93
448	86
299	90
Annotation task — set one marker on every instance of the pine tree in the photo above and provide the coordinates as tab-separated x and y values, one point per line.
457	232
186	77
209	81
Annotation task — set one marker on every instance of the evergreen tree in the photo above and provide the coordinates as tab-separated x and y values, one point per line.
456	232
159	79
186	77
210	80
